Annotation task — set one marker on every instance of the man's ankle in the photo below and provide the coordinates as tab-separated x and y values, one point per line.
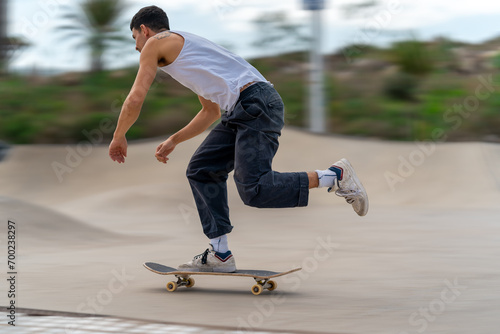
220	244
313	179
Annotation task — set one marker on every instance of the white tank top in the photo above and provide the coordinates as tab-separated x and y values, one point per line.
211	71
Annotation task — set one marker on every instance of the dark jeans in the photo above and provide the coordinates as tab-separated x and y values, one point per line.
245	141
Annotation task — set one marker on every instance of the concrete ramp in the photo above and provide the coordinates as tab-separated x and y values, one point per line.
424	259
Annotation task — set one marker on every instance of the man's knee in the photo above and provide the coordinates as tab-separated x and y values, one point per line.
249	194
205	173
191	170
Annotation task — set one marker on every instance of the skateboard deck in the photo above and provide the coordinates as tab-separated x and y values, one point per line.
261	277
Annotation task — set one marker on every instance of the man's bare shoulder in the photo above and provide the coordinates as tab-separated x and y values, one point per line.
167	46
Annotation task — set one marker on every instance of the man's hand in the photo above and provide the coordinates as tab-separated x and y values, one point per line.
164	149
118	149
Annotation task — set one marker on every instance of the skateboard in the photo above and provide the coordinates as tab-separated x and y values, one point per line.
261	277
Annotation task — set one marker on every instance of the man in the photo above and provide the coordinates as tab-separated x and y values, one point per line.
245	140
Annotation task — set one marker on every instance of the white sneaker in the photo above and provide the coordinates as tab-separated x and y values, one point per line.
349	186
211	261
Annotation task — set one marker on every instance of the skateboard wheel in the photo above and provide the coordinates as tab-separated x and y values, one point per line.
273	285
257	289
190	282
171	286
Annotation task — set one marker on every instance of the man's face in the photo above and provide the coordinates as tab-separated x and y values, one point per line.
140	38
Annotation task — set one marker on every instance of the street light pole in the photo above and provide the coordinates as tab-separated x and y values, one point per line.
316	86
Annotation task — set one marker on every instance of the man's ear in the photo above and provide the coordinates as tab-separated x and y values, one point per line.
145	30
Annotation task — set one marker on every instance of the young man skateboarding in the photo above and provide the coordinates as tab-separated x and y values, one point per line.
245	141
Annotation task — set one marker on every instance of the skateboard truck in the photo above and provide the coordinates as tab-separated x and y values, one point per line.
182	280
262	284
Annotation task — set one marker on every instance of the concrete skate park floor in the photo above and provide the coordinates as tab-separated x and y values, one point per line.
424	259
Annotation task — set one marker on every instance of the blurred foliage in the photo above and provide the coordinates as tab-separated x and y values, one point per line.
370	97
496	61
278	32
414	60
401	86
95	25
413	57
65	109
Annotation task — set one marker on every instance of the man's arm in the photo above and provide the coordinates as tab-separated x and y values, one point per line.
209	113
133	103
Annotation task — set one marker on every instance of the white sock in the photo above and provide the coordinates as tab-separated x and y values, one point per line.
220	244
326	178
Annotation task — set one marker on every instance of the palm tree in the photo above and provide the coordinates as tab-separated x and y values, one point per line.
96	24
278	31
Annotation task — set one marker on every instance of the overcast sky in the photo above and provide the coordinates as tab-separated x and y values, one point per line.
229	22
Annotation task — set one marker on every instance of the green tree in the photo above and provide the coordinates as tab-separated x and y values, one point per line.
415	60
413	57
8	44
96	25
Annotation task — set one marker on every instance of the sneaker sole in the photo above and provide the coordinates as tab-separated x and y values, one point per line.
364	195
224	270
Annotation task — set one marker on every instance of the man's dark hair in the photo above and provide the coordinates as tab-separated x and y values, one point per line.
152	17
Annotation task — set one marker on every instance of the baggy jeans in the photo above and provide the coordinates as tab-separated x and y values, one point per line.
245	141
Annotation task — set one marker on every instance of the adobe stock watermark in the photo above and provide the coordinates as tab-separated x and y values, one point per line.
371	29
454	116
96	303
224	7
421	319
188	213
41	18
74	156
265	308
